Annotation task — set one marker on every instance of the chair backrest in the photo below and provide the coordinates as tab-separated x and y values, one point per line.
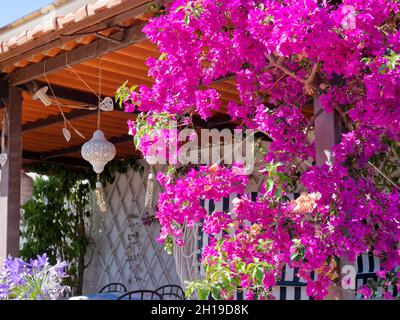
113	287
140	295
171	292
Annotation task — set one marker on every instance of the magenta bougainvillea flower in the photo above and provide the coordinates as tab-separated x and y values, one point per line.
282	54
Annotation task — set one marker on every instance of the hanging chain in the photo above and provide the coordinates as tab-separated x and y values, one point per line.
100	89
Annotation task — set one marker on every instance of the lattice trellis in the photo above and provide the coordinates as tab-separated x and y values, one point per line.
128	250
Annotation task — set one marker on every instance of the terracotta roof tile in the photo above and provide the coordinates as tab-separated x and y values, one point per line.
4	46
58	23
100	5
30	34
50	26
66	20
36	31
23	38
81	14
113	3
12	43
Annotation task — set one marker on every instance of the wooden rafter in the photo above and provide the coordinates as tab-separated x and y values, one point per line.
65	93
101	20
219	121
65	161
62	92
56	119
77	148
92	50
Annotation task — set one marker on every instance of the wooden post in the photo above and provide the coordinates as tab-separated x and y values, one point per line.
10	188
328	131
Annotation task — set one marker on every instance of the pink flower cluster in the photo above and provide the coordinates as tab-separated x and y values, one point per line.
283	53
179	205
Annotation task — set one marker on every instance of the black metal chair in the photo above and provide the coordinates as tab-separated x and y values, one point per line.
140	295
171	292
113	287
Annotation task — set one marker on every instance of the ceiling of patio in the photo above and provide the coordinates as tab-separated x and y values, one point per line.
44	139
118	67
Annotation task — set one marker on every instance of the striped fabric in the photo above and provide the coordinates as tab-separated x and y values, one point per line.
290	286
367	266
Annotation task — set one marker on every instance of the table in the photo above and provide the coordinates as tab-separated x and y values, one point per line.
98	296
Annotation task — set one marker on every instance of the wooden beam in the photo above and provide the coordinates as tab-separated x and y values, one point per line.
77	148
61	92
101	20
92	50
52	120
65	161
219	121
328	133
10	188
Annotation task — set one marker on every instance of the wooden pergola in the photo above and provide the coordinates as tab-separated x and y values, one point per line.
65	56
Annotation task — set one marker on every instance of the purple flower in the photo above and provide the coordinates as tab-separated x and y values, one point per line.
34	280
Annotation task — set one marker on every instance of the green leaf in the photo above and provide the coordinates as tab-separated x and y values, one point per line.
163	56
270	185
294	256
204	294
187	18
259	275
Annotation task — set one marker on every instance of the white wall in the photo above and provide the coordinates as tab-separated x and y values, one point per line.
114	236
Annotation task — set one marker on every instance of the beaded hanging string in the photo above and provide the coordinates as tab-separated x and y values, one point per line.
149	189
100	194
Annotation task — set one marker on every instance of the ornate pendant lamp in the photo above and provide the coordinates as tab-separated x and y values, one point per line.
98	151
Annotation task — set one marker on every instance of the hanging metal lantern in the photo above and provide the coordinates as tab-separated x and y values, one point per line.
26	187
98	151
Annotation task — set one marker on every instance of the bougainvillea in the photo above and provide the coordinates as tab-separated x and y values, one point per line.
282	55
180	204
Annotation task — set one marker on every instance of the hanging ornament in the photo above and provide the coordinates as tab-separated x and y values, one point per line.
107	104
3	159
42	96
65	131
67	134
3	155
149	189
98	151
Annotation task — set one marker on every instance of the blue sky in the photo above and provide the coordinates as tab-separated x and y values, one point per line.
12	10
